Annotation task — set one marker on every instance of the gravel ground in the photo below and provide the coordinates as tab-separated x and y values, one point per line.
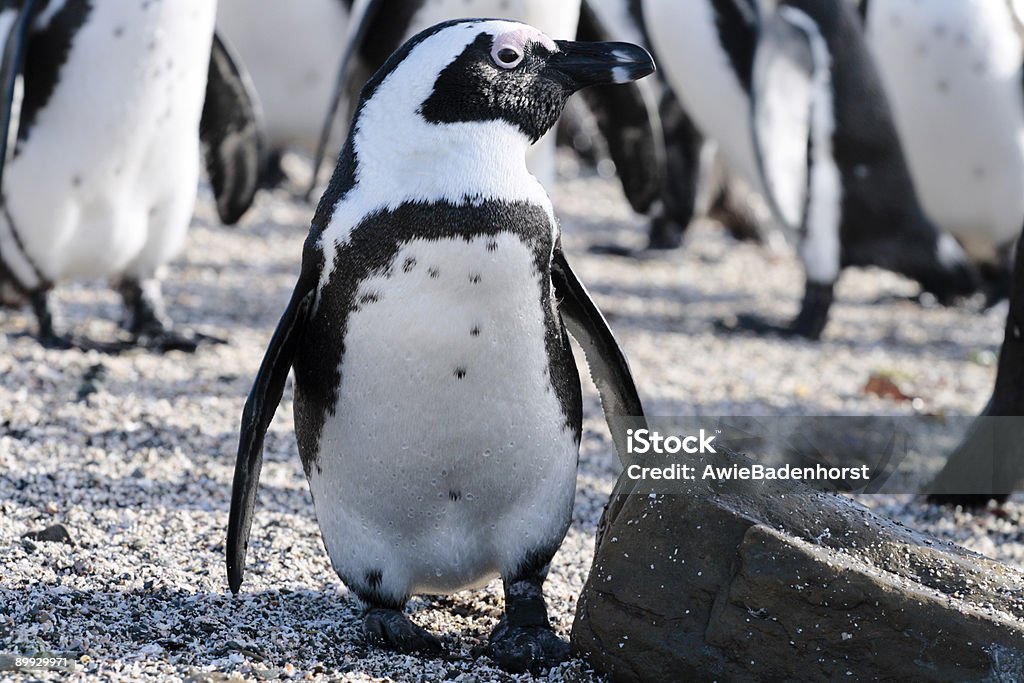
134	453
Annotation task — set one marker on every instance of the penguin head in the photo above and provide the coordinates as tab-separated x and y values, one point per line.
482	72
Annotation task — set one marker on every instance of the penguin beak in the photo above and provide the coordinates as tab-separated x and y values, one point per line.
579	65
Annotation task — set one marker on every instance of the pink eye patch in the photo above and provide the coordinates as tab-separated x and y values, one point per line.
510	47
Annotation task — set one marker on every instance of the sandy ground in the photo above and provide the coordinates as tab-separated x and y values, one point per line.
134	453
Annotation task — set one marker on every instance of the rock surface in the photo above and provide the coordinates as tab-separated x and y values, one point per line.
759	581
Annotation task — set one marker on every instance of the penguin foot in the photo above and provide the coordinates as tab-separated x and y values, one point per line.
47	317
967	501
519	649
749	322
392	630
148	323
165	339
610	249
665	234
58	342
808	324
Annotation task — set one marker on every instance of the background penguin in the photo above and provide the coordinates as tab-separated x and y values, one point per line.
626	117
294	77
953	72
437	401
789	93
106	129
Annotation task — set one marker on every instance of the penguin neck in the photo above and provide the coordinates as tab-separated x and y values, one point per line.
455	163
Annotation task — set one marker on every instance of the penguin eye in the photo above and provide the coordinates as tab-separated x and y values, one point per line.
507	57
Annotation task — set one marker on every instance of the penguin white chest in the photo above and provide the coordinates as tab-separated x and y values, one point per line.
952	71
448	456
697	65
103	180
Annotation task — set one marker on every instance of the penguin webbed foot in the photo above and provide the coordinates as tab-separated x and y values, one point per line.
523	640
808	324
750	322
393	630
148	324
57	342
519	649
163	340
665	233
46	314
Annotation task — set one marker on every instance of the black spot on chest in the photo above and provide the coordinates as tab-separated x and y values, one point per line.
47	53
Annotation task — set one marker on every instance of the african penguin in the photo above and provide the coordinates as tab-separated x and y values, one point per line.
790	94
953	72
105	103
294	78
437	403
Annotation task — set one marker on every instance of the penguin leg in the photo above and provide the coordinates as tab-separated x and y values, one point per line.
523	640
272	174
48	317
390	628
147	321
809	323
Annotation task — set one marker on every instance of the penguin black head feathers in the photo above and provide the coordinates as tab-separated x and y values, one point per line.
480	70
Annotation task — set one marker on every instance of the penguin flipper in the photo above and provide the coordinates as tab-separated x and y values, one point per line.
782	102
11	67
256	417
608	366
626	115
231	130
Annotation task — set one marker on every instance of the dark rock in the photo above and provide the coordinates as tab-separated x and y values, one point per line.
56	533
764	581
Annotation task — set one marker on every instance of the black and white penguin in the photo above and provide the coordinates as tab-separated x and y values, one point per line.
790	94
105	103
953	72
437	402
294	78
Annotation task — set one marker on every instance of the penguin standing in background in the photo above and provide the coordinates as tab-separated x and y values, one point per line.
437	402
953	72
294	78
789	92
693	180
108	103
